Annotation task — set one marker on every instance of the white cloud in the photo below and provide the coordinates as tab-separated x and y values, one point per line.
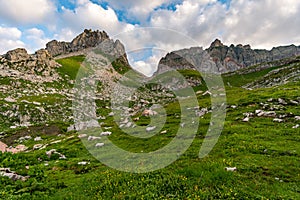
36	38
138	10
27	12
198	19
66	34
146	66
10	39
263	23
91	15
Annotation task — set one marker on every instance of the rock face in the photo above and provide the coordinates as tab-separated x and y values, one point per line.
89	39
17	55
37	67
191	58
21	57
230	58
85	40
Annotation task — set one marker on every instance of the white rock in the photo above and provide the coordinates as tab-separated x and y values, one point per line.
106	133
129	124
71	128
111	114
297	118
99	145
36	103
55	142
230	169
37	139
82	135
294	102
278	120
296	126
41	109
37	146
10	100
92	138
150	128
258	111
207	92
281	101
83	163
247	119
50	152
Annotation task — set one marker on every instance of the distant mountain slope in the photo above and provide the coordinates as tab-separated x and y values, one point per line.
229	58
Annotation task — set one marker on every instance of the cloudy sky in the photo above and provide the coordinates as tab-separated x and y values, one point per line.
260	23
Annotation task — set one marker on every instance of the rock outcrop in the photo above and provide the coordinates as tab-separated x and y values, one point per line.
89	40
17	55
230	58
37	67
85	40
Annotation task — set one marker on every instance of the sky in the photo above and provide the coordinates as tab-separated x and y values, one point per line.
260	23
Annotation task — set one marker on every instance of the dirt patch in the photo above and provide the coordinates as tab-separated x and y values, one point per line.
50	130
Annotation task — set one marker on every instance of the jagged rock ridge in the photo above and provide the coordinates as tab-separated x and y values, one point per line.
230	58
40	67
88	40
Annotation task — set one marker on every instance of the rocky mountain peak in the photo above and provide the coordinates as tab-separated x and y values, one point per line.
86	39
216	43
232	58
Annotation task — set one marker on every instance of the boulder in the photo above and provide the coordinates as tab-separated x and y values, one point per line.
150	128
99	145
12	175
17	55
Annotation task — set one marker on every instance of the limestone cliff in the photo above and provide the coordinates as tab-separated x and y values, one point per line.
229	58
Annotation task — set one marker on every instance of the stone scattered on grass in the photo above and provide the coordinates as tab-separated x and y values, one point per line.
149	112
296	126
106	133
150	128
37	146
10	100
4	148
99	145
278	120
12	175
247	119
38	139
54	151
92	138
282	101
83	163
82	135
55	142
230	169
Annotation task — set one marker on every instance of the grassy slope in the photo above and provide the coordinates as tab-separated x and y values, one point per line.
261	150
70	66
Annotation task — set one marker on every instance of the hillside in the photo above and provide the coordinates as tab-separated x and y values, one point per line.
260	136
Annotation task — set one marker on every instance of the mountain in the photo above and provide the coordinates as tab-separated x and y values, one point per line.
85	42
228	58
45	155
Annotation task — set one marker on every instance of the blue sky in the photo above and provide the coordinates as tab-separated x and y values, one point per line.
260	23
